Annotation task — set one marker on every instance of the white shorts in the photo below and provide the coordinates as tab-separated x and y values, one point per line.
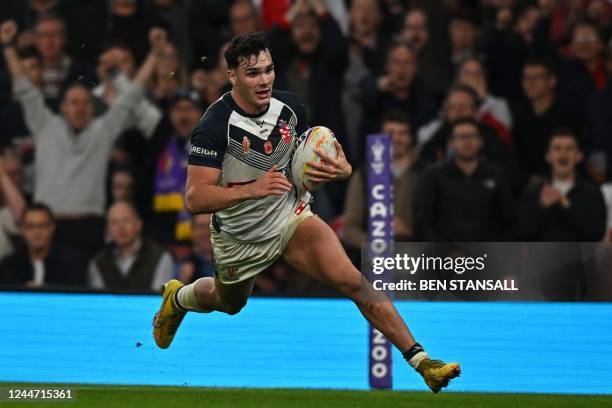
237	261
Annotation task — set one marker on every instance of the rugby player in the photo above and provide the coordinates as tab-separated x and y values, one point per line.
237	170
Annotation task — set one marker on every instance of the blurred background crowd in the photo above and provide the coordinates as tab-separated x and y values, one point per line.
500	113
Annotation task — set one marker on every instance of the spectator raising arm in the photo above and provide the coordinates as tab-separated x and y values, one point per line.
119	116
35	111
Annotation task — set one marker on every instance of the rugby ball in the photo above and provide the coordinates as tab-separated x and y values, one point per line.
318	137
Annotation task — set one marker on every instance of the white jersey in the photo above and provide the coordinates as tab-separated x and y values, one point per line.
245	147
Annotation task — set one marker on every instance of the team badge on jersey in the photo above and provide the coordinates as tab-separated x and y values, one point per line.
246	145
268	147
285	130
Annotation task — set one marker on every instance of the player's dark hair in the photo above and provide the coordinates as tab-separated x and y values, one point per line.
465	121
465	89
40	207
243	47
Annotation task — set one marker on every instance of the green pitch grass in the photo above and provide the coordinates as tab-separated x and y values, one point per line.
92	396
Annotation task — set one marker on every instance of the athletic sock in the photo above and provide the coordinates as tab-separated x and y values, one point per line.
415	354
185	299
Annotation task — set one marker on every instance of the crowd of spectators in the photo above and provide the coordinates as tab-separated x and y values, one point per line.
500	113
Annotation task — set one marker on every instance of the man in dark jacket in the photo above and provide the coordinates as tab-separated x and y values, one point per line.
566	207
537	117
463	198
41	262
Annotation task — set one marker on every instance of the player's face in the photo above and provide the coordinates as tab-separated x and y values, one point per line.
466	142
184	116
563	155
124	226
77	107
253	80
401	138
37	229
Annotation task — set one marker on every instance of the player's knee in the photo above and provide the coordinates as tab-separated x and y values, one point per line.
234	308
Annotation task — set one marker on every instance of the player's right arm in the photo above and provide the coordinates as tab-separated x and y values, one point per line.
204	195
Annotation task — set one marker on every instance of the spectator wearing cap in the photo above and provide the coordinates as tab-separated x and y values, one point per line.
129	261
42	261
73	148
565	206
171	222
465	197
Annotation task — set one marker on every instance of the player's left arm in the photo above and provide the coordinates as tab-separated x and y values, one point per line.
330	169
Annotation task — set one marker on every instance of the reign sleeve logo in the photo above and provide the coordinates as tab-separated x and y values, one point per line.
200	151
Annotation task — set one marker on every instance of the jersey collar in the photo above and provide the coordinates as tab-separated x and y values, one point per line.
232	104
